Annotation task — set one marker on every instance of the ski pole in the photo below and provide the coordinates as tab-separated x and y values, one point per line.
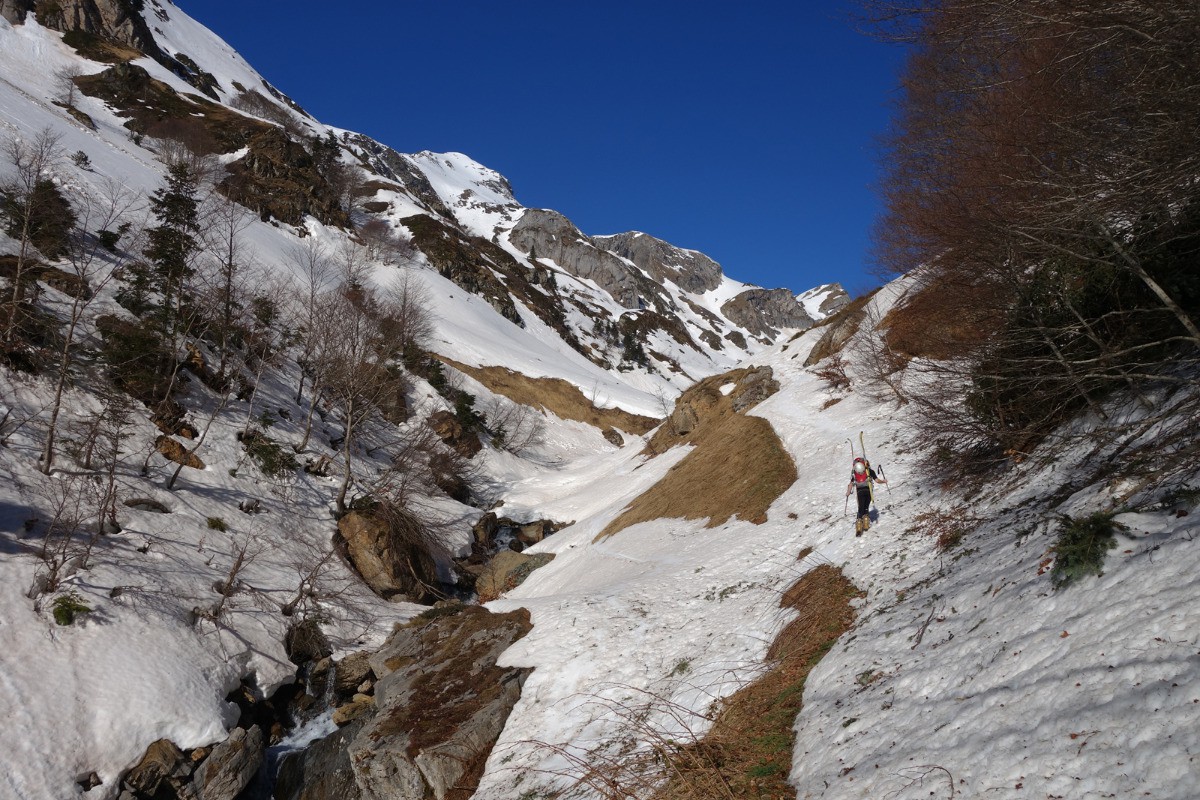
886	482
846	506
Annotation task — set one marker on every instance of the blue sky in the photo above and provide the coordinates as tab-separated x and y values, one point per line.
745	131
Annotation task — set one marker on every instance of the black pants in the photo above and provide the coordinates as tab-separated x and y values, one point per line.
864	502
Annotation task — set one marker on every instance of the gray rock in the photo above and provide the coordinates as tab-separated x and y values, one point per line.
15	10
321	772
690	270
763	311
230	766
551	235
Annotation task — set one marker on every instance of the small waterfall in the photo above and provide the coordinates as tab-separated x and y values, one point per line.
310	724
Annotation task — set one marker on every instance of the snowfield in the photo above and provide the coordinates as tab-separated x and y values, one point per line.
966	675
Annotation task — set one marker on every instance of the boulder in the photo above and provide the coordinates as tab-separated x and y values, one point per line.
230	766
358	706
534	532
754	387
163	761
613	436
450	430
507	571
174	451
350	672
389	559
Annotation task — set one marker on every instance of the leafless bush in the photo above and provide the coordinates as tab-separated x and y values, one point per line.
383	243
69	503
514	427
253	102
245	550
833	371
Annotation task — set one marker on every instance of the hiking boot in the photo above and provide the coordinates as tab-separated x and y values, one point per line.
866	524
858	526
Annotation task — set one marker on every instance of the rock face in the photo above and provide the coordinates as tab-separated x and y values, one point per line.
109	19
548	234
439	705
690	270
763	311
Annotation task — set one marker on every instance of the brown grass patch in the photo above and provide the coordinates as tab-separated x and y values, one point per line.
738	467
554	395
748	751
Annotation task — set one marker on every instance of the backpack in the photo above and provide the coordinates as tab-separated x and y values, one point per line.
861	480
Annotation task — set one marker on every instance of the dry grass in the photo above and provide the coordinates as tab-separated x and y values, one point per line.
738	467
748	751
554	395
947	528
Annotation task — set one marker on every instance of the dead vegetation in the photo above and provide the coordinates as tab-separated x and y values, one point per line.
748	751
554	395
739	466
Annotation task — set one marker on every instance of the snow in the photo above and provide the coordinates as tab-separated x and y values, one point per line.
966	675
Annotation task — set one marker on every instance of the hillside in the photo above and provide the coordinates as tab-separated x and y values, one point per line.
333	471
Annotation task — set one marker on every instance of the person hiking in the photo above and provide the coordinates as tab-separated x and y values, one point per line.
862	478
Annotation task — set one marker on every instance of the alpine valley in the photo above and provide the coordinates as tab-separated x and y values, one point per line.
332	471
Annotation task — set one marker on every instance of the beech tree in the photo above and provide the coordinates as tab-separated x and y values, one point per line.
1042	170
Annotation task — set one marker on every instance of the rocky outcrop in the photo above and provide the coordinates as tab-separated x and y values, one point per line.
218	773
438	707
548	234
389	555
690	270
15	10
115	20
837	333
764	311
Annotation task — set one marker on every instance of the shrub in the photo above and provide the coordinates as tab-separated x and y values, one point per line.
272	458
1081	548
217	524
67	607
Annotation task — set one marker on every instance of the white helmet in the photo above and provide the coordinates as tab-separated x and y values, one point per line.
859	468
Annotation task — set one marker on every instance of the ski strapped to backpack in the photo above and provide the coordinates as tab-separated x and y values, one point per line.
870	483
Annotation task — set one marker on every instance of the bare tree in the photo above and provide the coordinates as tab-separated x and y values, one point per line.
92	266
64	82
33	162
514	427
383	243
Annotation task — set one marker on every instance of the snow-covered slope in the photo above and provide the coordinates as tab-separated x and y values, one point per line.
966	675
